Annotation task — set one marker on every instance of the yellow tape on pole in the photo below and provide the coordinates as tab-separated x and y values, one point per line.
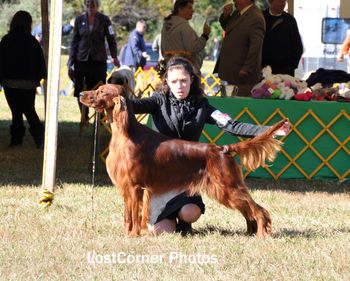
50	150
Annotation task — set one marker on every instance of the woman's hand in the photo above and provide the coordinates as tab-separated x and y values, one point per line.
146	56
206	29
243	73
283	131
228	9
116	62
340	58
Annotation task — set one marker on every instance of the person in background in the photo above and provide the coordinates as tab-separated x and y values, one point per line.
239	61
282	48
345	50
87	63
135	50
216	48
179	38
22	66
38	32
157	46
180	110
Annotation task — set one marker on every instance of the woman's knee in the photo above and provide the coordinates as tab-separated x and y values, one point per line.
190	213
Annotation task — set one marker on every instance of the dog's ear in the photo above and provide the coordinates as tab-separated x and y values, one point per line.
116	90
85	93
119	103
85	96
120	90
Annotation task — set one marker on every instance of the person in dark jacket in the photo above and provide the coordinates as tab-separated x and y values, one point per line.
22	66
282	47
87	63
180	111
38	31
135	50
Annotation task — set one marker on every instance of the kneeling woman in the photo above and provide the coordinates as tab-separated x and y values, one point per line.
180	110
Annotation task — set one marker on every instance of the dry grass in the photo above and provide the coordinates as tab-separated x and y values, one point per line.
311	239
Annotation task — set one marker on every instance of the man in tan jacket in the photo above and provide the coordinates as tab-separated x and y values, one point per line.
239	62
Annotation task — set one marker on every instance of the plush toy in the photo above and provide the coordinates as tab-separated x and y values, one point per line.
284	82
306	96
269	77
316	87
276	94
328	93
294	82
299	86
286	92
344	90
266	72
261	91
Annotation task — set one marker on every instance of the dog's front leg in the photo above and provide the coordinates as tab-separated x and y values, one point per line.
127	215
137	197
145	209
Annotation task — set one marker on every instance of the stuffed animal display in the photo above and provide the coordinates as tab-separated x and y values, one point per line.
282	86
337	91
278	86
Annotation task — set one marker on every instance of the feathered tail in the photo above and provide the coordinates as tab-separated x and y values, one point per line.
256	151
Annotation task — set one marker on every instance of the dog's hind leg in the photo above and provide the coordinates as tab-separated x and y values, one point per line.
226	184
257	218
264	223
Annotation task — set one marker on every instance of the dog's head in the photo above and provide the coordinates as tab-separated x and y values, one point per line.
102	98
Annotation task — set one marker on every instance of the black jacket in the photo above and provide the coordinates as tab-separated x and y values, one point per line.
86	43
21	58
134	49
185	119
282	48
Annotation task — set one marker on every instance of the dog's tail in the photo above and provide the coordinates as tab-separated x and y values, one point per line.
256	151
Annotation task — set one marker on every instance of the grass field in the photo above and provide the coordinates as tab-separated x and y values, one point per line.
80	237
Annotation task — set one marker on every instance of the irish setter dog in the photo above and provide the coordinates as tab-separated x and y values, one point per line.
142	162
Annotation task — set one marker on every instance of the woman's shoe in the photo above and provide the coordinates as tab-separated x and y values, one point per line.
183	227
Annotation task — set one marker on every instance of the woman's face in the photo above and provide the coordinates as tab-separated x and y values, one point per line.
179	82
91	6
187	11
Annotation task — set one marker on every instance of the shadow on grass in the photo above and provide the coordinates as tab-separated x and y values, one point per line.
331	186
280	233
211	229
23	165
309	233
